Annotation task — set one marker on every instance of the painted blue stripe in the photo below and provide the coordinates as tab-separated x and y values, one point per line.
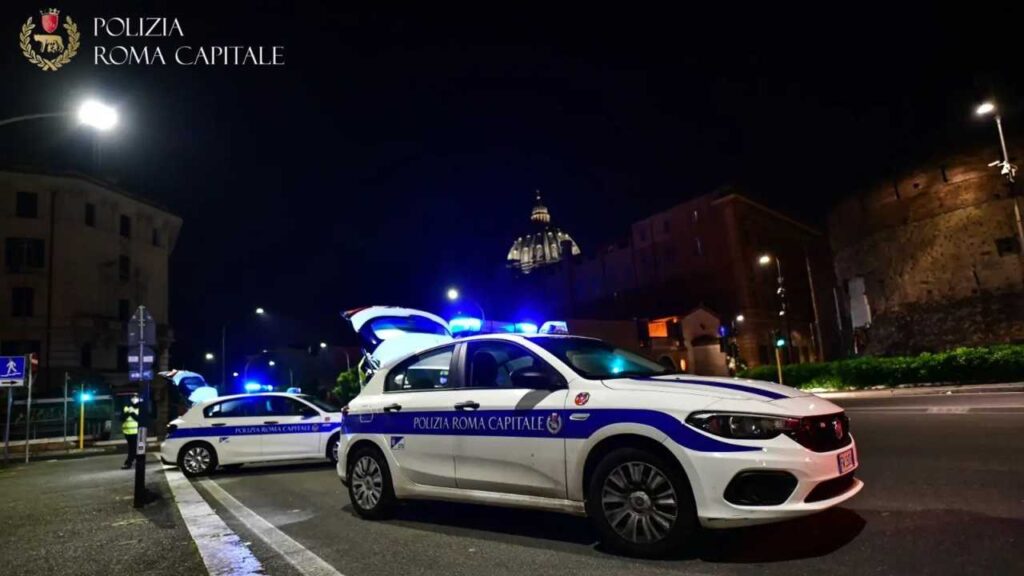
726	385
534	424
253	430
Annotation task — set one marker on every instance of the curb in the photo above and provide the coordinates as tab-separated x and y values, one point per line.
927	390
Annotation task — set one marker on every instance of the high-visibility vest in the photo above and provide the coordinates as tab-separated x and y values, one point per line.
131	420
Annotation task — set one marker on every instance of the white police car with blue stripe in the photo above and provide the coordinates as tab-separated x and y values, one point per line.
233	430
576	425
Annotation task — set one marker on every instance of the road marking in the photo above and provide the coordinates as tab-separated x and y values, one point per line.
296	554
222	550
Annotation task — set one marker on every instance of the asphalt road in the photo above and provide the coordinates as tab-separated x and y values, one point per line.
944	495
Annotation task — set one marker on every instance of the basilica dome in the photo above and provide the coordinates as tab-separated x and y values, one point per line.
544	245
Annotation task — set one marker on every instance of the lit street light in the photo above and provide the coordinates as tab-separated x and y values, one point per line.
224	348
260	311
740	318
323	345
209	356
1008	170
234	374
271	363
97	115
453	294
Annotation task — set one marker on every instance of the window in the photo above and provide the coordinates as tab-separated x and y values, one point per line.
19	347
492	364
124	268
321	404
156	237
237	408
1008	245
126	226
22	300
657	329
428	371
596	359
86	357
282	406
23	254
27	205
90	215
124	310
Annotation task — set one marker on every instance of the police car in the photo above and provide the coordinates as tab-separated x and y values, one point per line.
573	424
233	430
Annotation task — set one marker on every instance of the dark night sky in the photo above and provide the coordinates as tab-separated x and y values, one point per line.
397	151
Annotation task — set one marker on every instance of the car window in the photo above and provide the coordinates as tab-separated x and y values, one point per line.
321	404
428	371
283	406
491	364
236	408
596	359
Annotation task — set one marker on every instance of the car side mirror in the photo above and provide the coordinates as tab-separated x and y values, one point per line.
534	380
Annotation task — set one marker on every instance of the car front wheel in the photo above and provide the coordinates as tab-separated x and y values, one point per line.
369	484
641	503
197	459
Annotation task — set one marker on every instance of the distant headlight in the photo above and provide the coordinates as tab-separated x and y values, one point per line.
743	426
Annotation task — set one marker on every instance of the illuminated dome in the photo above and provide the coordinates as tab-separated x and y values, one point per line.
541	247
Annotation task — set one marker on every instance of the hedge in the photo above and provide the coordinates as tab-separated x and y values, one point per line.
1002	363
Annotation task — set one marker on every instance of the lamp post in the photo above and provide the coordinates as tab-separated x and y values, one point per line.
780	290
91	113
224	348
454	296
1008	170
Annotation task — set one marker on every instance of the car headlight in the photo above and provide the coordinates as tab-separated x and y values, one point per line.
743	426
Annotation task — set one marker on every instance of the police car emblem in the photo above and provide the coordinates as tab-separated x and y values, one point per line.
554	423
398	442
582	398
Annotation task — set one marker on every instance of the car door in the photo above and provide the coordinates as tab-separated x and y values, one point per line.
512	441
291	429
415	413
233	427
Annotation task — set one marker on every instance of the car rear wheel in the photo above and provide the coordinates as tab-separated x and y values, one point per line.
332	449
369	484
197	459
641	503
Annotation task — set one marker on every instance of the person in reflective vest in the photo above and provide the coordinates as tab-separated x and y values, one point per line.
130	428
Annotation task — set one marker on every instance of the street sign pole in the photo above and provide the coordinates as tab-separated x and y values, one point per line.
7	429
28	405
67	447
141	331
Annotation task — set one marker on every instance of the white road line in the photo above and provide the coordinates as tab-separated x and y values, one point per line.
296	554
222	550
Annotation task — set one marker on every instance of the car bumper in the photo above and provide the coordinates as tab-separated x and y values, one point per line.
711	472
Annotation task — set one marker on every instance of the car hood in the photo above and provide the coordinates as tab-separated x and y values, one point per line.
721	388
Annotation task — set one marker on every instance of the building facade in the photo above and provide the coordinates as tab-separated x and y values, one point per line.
703	254
79	255
932	259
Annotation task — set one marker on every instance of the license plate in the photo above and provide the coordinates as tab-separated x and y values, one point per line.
847	460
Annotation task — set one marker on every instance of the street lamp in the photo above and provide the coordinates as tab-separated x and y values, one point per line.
97	115
224	348
1008	170
234	374
323	345
271	363
764	260
209	356
260	311
740	318
454	296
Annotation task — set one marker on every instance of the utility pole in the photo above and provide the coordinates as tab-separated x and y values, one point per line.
814	306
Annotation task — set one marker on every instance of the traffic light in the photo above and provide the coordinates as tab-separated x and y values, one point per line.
778	338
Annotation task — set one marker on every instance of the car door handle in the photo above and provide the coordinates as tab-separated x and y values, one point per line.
393	408
215	424
270	421
467	405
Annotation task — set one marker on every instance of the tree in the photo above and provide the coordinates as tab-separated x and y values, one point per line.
347	386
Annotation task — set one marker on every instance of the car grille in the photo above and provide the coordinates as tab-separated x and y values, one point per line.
830	488
824	433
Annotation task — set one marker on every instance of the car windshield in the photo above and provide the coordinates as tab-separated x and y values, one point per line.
597	359
321	404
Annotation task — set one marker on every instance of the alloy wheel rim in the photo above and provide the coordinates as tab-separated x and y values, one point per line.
639	502
334	451
367	482
197	459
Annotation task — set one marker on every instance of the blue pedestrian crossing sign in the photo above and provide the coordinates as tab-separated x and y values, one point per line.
12	371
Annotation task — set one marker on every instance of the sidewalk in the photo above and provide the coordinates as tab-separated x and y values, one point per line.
926	390
76	517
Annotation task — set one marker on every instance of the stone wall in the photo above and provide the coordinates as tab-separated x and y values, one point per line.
938	253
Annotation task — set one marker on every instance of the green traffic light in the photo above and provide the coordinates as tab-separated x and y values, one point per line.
780	342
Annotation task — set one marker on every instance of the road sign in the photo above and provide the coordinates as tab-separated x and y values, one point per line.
141	328
140	368
12	371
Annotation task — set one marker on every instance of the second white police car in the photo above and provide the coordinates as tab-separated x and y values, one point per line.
576	425
233	430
